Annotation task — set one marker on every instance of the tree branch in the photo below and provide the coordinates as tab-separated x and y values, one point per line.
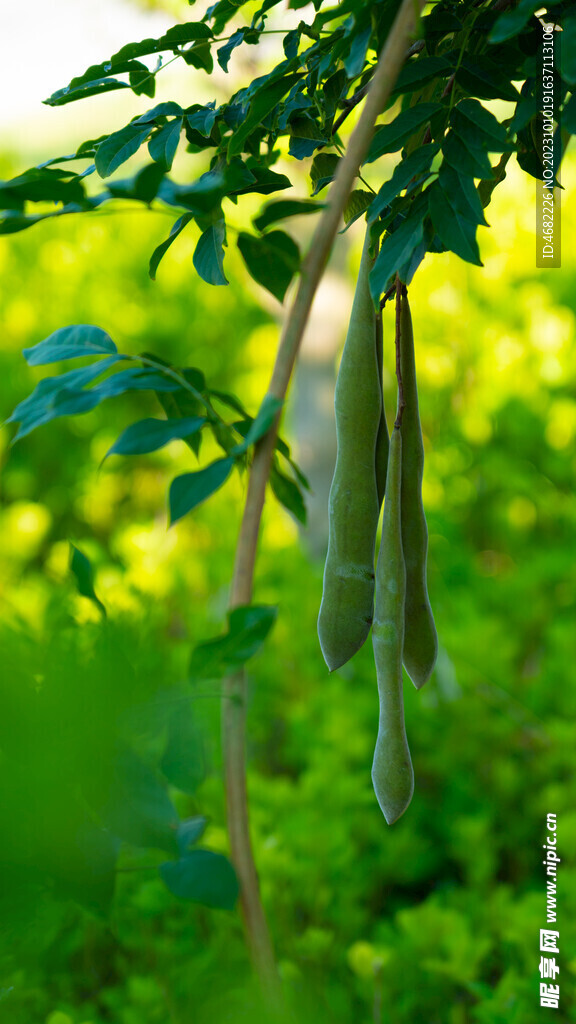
234	710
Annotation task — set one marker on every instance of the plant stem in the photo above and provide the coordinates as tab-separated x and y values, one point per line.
234	710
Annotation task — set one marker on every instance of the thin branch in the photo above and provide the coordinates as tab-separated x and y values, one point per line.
234	711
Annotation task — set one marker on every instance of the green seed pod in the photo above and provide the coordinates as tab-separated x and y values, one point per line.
420	639
392	773
348	592
383	439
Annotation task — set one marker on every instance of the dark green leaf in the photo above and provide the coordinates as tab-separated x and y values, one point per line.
161	110
224	53
134	804
40	185
118	147
421	70
42	405
419	162
142	82
481	77
456	233
162	249
68	95
208	258
354	62
511	23
358	202
163	145
143	186
70	343
271	260
149	435
465	159
204	877
260	426
265	181
183	761
288	494
171	40
569	116
478	127
190	489
462	194
83	571
283	208
396	251
248	627
323	170
264	100
391	137
305	137
199	56
189	832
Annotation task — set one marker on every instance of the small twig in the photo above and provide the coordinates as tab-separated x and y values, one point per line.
388	295
399	289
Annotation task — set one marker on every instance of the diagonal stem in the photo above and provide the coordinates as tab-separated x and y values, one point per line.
234	704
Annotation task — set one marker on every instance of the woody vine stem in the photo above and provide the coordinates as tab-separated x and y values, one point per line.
234	697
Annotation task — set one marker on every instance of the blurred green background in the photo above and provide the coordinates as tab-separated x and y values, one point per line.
436	919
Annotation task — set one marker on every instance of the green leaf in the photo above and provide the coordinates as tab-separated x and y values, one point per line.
190	489
264	100
143	186
149	435
68	95
456	233
482	77
163	145
260	426
248	627
283	208
419	162
391	137
42	405
118	147
465	159
161	250
418	72
134	804
288	494
479	128
224	53
511	23
142	82
203	877
171	40
396	251
462	194
264	181
41	185
208	258
323	170
189	832
83	571
183	760
70	343
305	137
271	260
358	202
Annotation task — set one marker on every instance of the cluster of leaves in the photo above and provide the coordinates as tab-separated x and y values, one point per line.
445	133
184	395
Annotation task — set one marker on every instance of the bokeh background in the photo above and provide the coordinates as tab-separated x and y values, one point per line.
436	919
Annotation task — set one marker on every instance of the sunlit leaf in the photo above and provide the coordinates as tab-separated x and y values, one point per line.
70	343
